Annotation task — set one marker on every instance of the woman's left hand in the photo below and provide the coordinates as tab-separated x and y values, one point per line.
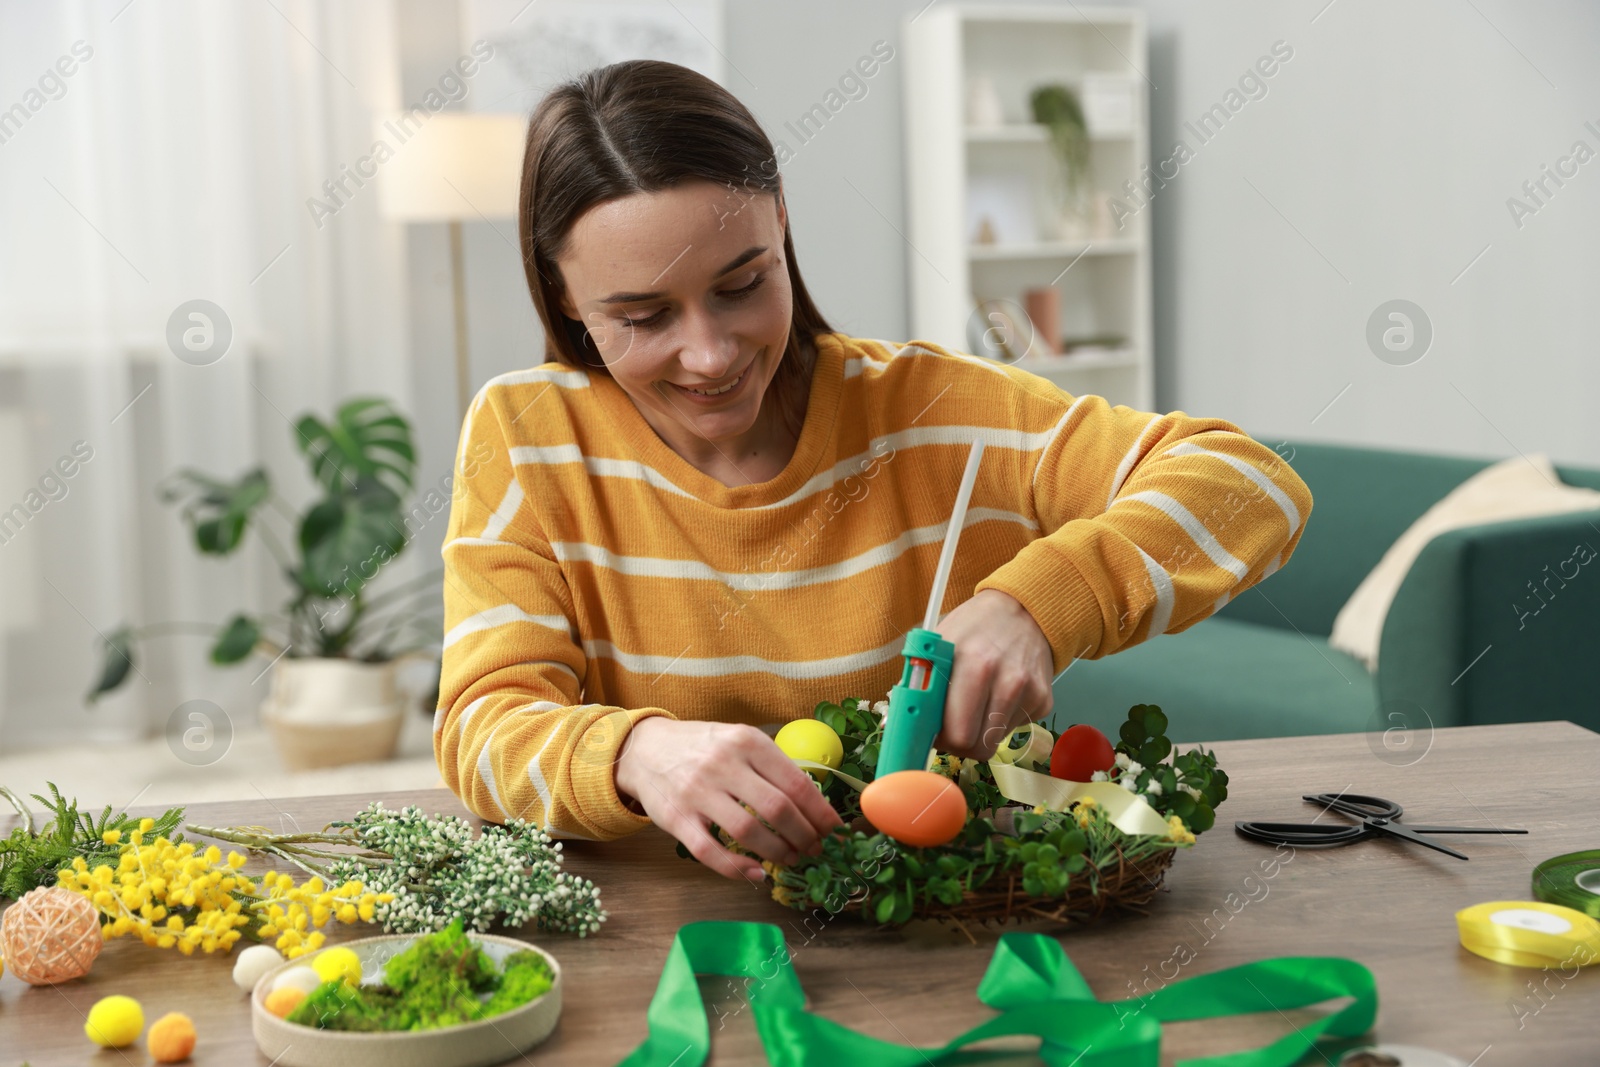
1001	677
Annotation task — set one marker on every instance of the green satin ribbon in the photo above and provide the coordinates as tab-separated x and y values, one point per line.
1030	981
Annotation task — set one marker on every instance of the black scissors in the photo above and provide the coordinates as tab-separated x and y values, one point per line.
1378	817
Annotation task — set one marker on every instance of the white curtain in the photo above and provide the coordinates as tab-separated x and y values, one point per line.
173	163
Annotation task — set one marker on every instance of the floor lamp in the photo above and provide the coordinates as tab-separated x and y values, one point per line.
449	167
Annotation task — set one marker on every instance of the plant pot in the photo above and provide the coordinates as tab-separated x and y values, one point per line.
330	712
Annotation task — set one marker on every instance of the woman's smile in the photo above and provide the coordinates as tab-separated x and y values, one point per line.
712	394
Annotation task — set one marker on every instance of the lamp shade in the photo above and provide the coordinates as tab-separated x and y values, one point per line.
450	165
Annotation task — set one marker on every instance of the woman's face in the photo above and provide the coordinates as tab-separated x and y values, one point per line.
686	295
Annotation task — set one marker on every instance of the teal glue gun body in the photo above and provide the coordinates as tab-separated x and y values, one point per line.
916	704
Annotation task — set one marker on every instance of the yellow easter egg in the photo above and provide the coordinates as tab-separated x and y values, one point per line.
334	964
814	740
114	1022
918	808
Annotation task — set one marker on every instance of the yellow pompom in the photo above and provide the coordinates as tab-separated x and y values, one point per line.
338	963
115	1022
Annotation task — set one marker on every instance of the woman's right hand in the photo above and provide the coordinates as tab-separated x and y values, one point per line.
688	774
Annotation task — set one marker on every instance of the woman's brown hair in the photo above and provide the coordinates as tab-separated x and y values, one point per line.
640	127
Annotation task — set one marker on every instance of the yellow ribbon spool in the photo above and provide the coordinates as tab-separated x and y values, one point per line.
1529	933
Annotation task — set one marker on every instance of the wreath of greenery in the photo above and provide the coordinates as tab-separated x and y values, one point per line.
1008	862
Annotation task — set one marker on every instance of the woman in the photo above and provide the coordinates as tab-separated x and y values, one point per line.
710	511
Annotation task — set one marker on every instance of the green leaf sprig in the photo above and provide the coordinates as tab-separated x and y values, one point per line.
1190	787
29	860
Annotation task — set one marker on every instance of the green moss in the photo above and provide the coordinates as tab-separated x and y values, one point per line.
443	979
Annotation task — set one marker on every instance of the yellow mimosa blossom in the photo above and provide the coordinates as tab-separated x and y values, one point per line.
177	896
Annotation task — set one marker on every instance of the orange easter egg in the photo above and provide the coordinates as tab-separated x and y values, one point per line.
917	808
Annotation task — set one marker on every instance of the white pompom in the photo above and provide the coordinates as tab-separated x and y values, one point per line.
302	978
252	963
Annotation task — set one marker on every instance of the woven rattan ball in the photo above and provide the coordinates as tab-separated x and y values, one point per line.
50	935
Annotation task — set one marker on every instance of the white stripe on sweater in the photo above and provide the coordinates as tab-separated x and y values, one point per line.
914	437
466	431
1192	526
720	666
565	377
1128	458
1044	448
501	616
913	349
503	514
654	567
600	466
1290	512
466	714
536	773
486	768
1161	582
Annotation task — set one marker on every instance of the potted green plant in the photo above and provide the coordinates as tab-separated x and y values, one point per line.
334	648
1056	107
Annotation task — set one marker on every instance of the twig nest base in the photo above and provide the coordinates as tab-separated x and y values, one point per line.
50	935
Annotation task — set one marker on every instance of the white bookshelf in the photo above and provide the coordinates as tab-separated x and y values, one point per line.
1102	273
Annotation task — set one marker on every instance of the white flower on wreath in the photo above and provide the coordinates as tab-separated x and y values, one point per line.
1153	789
1191	790
1122	759
1135	768
1129	782
1099	776
881	708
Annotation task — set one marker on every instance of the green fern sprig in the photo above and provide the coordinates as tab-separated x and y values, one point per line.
29	859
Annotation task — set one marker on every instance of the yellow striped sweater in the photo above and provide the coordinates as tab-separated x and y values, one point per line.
593	577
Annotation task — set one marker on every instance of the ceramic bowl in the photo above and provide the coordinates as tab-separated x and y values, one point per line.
488	1041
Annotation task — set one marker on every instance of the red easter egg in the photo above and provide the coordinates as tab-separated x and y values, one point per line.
1079	752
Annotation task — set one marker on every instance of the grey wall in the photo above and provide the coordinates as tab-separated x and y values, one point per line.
1377	166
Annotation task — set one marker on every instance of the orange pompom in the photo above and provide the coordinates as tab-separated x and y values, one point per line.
171	1039
282	1001
50	935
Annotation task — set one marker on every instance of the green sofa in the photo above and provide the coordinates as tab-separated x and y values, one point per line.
1262	666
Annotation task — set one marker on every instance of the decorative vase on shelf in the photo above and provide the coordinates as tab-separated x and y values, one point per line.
1073	225
1103	223
984	109
326	711
1043	306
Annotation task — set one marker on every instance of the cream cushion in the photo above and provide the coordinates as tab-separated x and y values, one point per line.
1518	488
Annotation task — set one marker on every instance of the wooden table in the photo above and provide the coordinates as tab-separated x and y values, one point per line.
1389	905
